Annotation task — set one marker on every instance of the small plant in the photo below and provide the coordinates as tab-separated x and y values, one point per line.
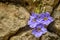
38	23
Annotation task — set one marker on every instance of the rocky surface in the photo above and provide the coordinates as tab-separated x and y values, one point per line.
56	23
26	35
29	4
50	36
49	5
50	2
12	18
47	8
47	2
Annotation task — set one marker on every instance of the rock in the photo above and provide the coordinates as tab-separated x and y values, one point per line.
56	16
55	26
12	18
48	5
50	2
23	2
26	35
47	8
50	36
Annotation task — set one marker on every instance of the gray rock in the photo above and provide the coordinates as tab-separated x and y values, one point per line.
50	36
12	18
26	35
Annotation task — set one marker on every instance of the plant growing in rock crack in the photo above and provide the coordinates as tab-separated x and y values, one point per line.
38	23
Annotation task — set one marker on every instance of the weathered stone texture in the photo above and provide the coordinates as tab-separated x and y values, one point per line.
56	15
12	18
26	35
50	36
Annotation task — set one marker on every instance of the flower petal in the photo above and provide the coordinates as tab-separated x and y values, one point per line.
44	30
37	34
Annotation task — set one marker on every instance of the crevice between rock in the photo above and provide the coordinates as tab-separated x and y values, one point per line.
23	29
49	27
55	7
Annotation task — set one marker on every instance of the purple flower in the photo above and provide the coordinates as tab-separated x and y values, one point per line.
39	30
45	18
33	20
38	21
